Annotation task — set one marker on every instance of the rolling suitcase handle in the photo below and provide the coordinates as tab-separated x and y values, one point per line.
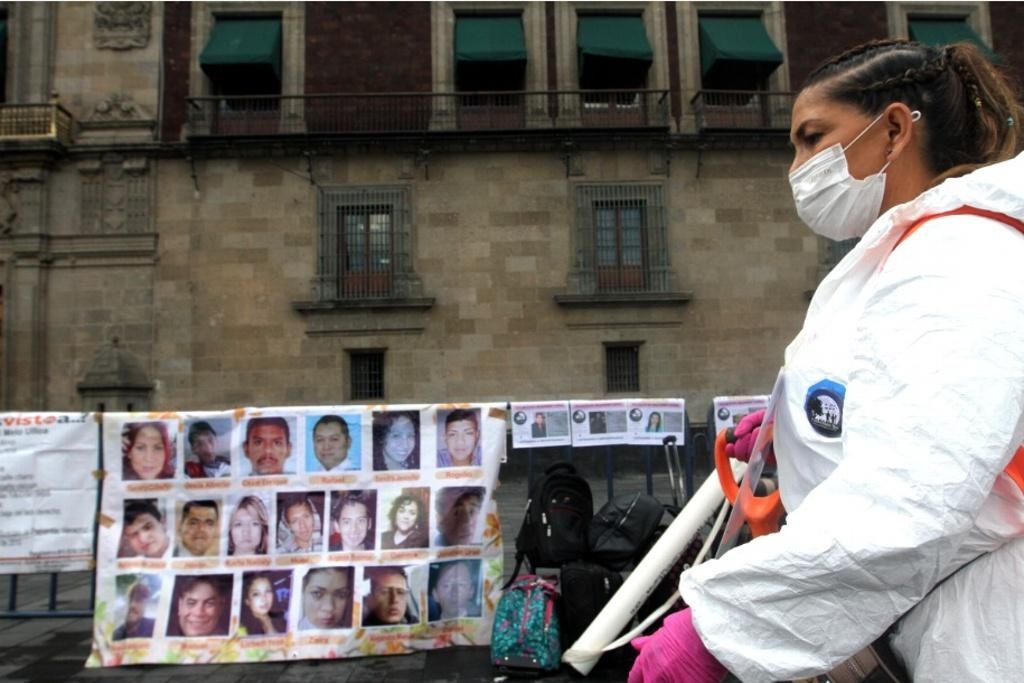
675	470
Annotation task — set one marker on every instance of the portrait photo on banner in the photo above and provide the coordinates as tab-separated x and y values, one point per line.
199	525
408	518
353	520
144	529
333	443
454	589
200	605
458	515
300	527
390	595
458	437
266	595
149	450
268	445
327	598
396	440
208	447
249	528
138	596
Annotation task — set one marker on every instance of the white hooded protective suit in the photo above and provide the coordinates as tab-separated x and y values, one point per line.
902	402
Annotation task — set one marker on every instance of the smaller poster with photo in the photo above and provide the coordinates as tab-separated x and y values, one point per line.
599	423
652	419
540	424
729	410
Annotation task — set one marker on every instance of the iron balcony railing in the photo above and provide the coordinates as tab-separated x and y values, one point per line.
35	122
742	110
420	112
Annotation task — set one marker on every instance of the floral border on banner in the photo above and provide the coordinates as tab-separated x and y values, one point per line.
222	537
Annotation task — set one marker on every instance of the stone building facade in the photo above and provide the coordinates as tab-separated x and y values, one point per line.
572	233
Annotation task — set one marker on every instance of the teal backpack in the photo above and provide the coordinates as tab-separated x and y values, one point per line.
525	640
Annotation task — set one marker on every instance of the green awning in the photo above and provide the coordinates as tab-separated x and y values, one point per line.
939	32
234	43
489	39
614	36
728	40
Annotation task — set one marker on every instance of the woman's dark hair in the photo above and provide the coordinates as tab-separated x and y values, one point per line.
346	617
401	501
252	625
969	113
382	424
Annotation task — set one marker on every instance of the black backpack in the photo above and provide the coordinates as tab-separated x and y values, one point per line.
557	520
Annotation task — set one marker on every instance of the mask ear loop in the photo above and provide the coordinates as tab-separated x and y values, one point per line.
915	116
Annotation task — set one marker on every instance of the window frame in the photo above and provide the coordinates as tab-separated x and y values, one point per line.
772	14
623	272
293	49
592	277
566	16
379	355
368	277
610	349
443	15
332	280
975	14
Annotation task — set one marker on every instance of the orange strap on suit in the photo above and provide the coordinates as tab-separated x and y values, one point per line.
1015	470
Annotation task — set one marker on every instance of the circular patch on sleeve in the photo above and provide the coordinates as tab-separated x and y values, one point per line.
824	407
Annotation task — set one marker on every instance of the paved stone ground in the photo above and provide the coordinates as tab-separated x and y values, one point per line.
55	649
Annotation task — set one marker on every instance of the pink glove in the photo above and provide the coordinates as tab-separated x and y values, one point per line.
675	654
740	440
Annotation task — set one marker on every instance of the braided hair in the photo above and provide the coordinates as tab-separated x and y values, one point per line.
969	114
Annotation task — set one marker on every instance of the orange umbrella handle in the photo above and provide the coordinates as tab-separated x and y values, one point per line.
763	512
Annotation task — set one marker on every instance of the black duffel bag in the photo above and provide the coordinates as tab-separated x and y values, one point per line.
622	529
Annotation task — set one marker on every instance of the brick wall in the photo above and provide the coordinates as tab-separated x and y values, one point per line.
368	47
1008	39
816	31
177	29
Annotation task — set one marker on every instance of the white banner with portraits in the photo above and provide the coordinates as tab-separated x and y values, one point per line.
291	533
49	466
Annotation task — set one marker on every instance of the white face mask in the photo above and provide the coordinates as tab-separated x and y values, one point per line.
829	200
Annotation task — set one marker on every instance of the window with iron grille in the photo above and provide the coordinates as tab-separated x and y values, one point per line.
622	367
363	243
621	244
366	374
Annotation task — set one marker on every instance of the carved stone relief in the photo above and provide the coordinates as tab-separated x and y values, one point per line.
8	203
115	196
117	107
121	25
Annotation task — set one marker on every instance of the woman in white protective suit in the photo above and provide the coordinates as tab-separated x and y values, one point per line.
917	338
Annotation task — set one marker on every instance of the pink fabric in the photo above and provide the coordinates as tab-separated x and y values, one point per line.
741	439
675	654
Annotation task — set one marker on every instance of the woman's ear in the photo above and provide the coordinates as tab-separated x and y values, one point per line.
899	127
